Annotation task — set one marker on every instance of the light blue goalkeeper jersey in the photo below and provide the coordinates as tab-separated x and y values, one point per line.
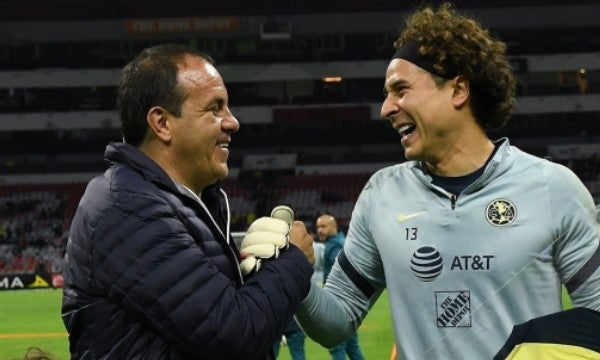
460	272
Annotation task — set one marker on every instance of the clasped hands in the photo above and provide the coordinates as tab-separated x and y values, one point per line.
268	236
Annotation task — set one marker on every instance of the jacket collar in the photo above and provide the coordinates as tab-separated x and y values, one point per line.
123	153
492	169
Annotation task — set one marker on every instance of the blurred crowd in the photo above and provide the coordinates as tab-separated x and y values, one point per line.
33	231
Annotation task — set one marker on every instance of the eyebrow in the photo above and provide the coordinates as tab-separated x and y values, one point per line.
216	99
395	86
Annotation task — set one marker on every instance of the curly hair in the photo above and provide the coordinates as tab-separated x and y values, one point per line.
459	43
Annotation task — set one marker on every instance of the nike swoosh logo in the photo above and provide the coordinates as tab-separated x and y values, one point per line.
403	217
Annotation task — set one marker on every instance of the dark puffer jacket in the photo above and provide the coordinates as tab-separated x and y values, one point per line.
150	273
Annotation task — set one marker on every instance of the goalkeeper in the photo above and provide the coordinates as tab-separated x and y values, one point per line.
471	235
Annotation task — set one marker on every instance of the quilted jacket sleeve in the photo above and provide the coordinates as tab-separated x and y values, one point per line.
139	253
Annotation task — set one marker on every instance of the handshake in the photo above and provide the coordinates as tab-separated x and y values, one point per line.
265	238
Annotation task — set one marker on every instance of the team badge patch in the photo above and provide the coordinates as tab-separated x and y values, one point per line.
500	212
453	308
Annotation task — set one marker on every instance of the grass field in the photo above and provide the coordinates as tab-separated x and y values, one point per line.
375	336
32	318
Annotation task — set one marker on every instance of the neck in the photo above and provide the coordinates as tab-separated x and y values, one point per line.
463	160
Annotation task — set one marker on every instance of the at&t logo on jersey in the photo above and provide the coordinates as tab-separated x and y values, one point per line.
426	263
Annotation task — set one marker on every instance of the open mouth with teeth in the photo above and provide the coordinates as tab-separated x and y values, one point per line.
406	130
223	148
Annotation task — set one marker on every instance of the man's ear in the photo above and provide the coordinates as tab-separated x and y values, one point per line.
158	123
460	94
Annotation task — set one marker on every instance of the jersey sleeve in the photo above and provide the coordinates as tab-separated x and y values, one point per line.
332	314
577	251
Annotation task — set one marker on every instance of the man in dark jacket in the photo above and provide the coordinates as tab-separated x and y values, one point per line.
151	270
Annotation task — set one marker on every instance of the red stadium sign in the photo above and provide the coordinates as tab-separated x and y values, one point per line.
185	24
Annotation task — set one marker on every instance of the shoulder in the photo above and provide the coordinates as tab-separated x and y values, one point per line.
544	169
559	176
129	187
122	197
564	186
336	241
392	173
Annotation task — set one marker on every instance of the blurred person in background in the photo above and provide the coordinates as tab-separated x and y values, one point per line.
294	338
319	251
327	231
151	270
470	236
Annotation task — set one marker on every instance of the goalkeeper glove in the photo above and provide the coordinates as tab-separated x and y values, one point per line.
265	238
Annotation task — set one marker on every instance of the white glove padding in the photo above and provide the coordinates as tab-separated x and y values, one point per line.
250	264
265	237
265	231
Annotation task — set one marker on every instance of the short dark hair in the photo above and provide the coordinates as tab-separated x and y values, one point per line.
151	79
460	43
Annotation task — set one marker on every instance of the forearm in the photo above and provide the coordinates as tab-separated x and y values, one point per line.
323	319
332	314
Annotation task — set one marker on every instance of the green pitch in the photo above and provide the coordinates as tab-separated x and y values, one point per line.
375	336
31	318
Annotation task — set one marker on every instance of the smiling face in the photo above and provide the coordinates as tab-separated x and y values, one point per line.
200	136
419	110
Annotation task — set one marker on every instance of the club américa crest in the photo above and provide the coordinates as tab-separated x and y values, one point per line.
500	212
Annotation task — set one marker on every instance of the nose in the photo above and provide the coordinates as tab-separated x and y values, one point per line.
230	124
389	107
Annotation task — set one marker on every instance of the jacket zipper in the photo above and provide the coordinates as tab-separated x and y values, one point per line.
227	235
227	230
452	201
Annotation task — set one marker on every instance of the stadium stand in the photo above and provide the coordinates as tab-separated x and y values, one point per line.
34	224
61	59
